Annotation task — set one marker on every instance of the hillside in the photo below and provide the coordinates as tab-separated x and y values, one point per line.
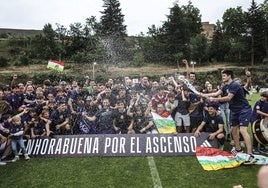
78	72
18	33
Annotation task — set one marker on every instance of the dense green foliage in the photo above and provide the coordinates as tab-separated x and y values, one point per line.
182	24
240	38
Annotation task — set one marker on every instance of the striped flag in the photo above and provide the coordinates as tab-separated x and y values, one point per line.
56	65
164	124
216	159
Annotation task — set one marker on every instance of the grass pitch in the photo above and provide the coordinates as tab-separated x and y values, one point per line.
121	172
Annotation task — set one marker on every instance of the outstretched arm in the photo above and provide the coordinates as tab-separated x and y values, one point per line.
184	61
248	83
222	99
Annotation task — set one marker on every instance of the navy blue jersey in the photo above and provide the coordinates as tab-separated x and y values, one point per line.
38	106
198	111
104	119
122	120
140	121
259	105
15	101
57	117
183	106
30	97
212	123
14	129
39	128
26	118
75	96
238	102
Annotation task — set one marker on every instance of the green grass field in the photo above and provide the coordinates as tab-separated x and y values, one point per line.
166	172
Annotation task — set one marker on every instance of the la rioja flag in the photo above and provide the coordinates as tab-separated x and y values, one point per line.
216	159
56	65
164	124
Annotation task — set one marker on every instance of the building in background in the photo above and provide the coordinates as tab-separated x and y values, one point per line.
208	30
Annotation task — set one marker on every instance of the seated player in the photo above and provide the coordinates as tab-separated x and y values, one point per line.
212	123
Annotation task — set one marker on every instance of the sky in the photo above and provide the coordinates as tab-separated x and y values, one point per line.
139	14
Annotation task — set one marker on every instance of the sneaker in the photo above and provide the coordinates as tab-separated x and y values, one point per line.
2	163
242	144
235	151
263	151
256	151
3	158
249	160
26	156
16	158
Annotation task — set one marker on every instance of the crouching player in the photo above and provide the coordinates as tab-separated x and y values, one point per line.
212	123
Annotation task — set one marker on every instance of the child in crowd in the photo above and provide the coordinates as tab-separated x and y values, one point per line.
16	127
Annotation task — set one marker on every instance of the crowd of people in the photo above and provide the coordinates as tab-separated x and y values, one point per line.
29	110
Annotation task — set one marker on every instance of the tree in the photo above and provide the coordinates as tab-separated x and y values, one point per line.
76	39
257	24
45	45
182	24
93	25
151	48
219	46
111	23
61	35
199	48
234	28
264	9
112	32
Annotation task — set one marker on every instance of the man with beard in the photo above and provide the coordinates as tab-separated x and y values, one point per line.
212	123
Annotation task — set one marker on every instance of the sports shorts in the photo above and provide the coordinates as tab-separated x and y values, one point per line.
182	119
241	118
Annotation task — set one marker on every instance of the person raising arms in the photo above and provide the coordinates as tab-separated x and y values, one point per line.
240	110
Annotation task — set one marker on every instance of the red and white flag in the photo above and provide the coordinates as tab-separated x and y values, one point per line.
56	65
